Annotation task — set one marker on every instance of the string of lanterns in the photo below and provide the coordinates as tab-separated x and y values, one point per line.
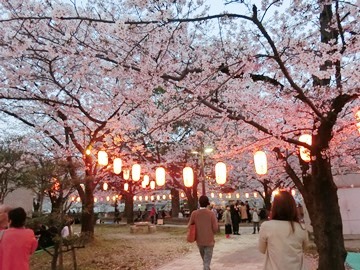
260	160
160	173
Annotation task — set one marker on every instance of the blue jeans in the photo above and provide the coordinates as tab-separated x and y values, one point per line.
206	253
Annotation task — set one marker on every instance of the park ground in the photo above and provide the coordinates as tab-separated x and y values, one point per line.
115	248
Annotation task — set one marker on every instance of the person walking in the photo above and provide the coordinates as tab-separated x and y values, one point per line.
283	239
235	219
16	243
243	213
248	211
256	219
205	226
228	222
153	215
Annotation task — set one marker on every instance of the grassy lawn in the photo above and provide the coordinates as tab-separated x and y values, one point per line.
115	248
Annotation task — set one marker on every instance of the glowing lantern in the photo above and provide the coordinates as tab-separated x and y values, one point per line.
237	195
220	195
108	198
357	117
152	184
182	194
88	152
73	198
105	186
146	198
95	199
275	192
78	199
146	179
260	162
304	152
152	198
293	192
164	197
247	195
255	194
114	198
160	176
140	198
102	158
134	198
143	184
135	172
158	197
126	174
188	176
220	173
170	196
263	193
126	186
229	195
117	165
212	195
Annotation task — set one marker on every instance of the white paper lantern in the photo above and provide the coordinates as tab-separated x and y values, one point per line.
220	173
105	186
260	162
305	152
146	179
102	158
160	176
117	165
126	174
188	176
135	172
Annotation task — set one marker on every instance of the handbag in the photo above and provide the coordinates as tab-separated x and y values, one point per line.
191	233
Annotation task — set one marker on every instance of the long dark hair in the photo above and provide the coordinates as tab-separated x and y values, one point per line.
284	208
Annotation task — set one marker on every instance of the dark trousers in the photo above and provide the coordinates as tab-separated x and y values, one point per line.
235	226
256	225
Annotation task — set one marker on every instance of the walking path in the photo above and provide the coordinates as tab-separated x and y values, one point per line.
238	252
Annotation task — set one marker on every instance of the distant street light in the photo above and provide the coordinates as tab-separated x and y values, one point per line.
202	150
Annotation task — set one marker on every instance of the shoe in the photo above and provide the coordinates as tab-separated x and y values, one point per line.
253	233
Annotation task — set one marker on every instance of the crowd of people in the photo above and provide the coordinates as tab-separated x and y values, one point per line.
282	239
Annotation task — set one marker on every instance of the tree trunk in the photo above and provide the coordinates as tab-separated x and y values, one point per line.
321	200
129	208
175	203
87	215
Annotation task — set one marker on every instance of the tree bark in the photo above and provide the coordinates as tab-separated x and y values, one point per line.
175	202
129	207
87	215
322	203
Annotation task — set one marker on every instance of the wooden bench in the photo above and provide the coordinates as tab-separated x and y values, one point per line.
142	227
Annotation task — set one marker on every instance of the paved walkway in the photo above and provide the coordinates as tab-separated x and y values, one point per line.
238	252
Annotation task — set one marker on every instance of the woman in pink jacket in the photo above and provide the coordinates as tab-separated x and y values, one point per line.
16	242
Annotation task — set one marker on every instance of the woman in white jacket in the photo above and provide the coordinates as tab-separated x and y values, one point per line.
283	239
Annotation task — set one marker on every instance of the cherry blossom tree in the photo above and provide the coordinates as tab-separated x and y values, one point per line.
258	78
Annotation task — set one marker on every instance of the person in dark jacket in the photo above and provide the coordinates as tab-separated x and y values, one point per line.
235	219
